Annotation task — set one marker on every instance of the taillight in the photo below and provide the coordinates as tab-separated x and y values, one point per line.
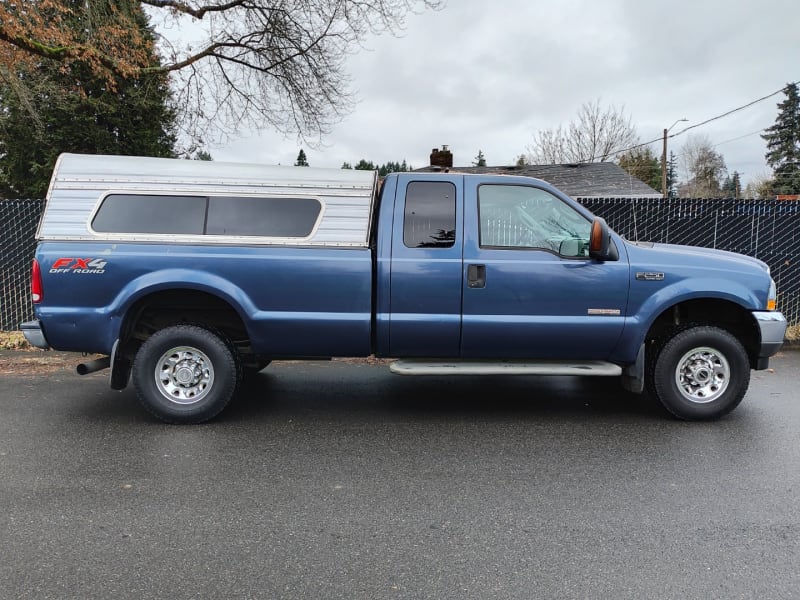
36	282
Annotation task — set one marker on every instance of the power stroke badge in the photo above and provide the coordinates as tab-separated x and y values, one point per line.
649	276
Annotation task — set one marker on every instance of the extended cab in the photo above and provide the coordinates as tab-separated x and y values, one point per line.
183	274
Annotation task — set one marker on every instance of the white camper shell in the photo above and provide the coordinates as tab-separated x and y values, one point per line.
335	204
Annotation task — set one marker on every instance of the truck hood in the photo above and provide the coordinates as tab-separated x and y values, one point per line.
690	252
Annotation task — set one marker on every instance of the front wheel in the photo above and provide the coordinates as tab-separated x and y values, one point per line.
185	374
700	373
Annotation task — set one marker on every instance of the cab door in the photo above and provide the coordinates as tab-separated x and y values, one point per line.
426	267
530	288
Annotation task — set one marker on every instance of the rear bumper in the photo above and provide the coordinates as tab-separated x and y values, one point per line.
32	330
773	329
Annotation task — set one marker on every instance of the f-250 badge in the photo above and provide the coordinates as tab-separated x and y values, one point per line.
80	266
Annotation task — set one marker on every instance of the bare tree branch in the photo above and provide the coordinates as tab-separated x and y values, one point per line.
197	12
703	167
596	134
243	63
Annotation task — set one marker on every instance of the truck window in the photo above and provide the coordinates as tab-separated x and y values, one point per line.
198	215
138	213
264	217
517	216
430	215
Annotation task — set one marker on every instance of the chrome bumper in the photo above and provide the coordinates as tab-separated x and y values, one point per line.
32	330
773	329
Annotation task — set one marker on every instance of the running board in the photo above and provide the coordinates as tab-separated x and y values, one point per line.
477	367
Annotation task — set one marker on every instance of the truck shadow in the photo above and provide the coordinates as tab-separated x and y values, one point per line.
334	390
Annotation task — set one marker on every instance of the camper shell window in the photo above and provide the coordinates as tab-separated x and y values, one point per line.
135	213
202	215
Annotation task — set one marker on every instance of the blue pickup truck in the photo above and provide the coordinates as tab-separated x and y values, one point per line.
186	275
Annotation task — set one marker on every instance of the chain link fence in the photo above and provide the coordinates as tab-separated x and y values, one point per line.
766	229
18	221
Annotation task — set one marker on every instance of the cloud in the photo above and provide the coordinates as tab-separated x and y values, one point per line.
486	76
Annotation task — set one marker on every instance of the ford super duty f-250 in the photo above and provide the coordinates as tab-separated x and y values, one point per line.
186	274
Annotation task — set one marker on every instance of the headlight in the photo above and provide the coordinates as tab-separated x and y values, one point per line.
772	297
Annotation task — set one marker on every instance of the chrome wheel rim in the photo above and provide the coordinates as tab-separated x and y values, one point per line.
184	375
702	375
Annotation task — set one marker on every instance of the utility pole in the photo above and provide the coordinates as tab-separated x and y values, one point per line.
664	167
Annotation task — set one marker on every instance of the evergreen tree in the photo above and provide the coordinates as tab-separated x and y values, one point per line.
732	186
346	165
363	165
383	170
202	155
672	176
301	161
480	160
58	108
783	143
392	167
642	164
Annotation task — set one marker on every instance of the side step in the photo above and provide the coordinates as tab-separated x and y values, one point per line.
506	367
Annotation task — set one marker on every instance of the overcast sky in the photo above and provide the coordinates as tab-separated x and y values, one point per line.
487	75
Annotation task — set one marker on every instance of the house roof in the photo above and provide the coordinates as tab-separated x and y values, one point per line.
583	180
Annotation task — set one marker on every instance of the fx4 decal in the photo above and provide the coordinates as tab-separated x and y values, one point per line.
80	266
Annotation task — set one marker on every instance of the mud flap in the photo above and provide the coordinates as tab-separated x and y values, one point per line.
120	369
633	375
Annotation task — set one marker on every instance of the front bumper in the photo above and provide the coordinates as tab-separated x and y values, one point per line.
32	330
773	329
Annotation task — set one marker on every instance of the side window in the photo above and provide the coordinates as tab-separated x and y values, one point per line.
430	215
265	217
198	215
131	213
515	216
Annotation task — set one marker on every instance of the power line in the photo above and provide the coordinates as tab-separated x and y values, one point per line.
684	130
741	137
730	112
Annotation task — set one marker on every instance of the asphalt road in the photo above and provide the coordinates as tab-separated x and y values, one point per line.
338	480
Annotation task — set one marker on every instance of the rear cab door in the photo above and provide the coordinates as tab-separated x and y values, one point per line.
426	267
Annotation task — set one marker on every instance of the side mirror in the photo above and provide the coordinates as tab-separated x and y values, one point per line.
574	248
601	247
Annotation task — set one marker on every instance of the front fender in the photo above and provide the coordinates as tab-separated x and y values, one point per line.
653	305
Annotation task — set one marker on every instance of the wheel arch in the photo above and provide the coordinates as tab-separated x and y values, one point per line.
717	312
169	306
161	306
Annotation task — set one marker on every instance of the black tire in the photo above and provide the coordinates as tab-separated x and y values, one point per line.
185	374
699	373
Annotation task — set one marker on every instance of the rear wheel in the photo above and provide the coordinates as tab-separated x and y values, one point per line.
185	374
700	373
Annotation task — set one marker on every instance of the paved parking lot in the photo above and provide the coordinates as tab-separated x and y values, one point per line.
341	480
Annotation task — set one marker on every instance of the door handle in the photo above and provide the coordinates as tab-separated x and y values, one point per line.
476	276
